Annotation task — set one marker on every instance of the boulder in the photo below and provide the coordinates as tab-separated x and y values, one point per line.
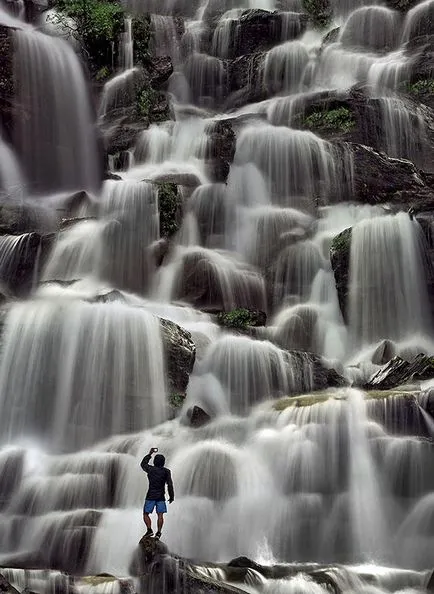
340	250
219	150
198	417
188	180
159	571
258	30
244	81
310	373
180	355
399	371
354	116
22	260
378	178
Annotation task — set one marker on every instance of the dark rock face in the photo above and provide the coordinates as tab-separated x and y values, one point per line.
258	30
379	178
8	108
219	150
180	355
5	586
23	258
198	417
163	573
244	80
340	259
138	102
312	374
398	371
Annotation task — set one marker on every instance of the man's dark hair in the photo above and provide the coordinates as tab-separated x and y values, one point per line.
159	461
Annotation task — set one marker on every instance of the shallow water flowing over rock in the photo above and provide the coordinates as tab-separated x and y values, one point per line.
216	238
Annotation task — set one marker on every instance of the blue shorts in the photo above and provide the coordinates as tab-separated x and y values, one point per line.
150	504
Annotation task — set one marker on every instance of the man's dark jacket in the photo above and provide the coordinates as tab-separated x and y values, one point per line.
158	477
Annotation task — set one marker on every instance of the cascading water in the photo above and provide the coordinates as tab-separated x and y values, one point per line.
58	121
281	473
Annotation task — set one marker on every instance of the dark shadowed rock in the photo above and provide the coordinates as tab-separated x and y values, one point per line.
147	552
23	257
5	586
379	178
11	471
198	417
340	250
189	180
180	355
399	371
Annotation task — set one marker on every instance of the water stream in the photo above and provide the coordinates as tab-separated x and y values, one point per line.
339	477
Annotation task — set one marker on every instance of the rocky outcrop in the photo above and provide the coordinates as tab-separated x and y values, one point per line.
259	30
219	150
399	371
8	107
170	209
5	586
180	355
197	417
340	250
244	81
378	178
311	374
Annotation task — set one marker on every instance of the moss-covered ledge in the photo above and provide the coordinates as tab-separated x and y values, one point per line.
340	251
340	119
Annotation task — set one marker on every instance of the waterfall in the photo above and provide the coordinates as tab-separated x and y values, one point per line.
224	220
59	121
380	304
68	396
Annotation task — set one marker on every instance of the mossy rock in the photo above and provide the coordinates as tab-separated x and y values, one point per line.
241	318
340	251
323	397
169	208
141	28
319	11
340	119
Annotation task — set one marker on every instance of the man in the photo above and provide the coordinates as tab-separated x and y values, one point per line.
158	477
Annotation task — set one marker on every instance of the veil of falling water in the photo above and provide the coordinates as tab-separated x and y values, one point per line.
338	477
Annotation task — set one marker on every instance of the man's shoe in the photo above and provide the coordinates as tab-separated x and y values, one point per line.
158	535
149	532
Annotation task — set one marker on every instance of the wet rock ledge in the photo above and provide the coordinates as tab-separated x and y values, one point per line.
155	570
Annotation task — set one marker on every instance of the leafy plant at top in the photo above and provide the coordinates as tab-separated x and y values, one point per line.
98	18
94	24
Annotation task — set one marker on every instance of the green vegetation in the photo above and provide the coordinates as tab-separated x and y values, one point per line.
168	207
151	104
176	400
342	241
142	37
102	74
421	87
340	119
95	24
319	11
239	318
